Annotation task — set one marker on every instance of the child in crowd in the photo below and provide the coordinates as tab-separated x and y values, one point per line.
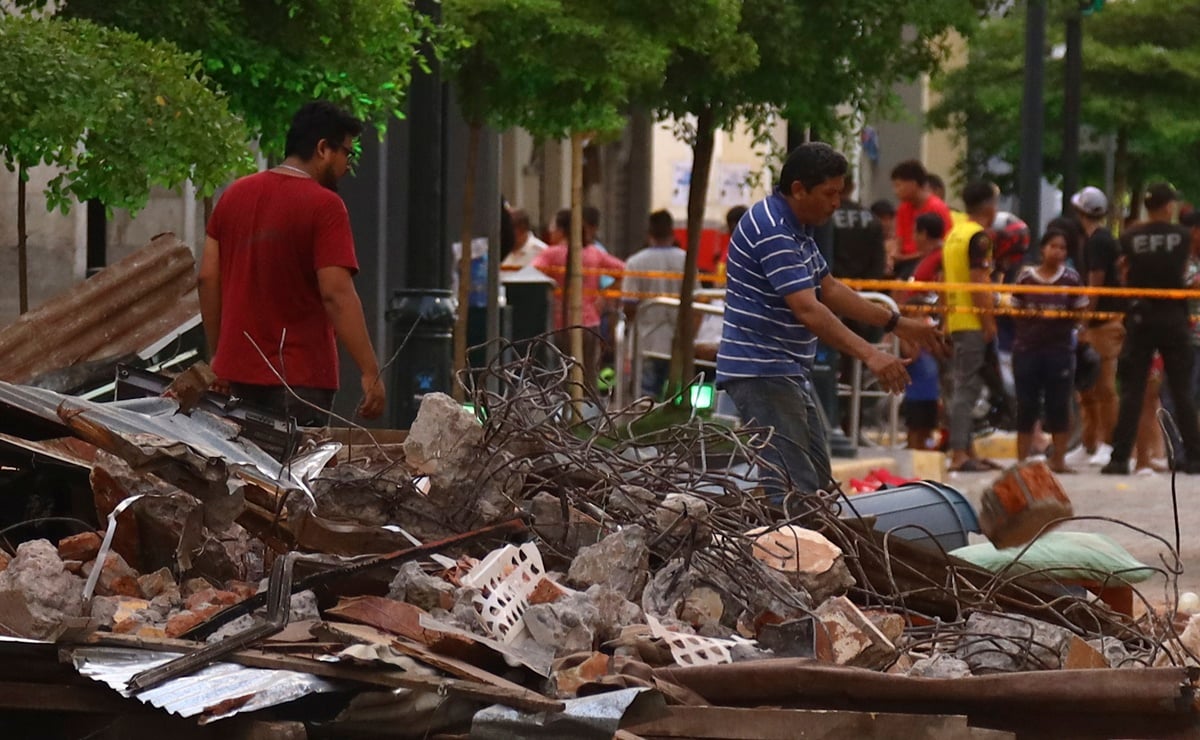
920	406
1044	351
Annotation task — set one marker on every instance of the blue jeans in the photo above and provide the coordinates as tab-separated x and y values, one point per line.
654	376
798	448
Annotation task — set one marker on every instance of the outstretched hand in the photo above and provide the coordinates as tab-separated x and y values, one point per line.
890	370
373	397
924	335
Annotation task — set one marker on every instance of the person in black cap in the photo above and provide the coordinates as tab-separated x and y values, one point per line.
1156	254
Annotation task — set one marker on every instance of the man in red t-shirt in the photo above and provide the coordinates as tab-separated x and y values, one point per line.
910	183
276	278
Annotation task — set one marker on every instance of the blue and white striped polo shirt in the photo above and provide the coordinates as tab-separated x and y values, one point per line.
771	255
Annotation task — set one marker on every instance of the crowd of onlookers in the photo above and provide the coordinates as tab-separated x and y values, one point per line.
1064	370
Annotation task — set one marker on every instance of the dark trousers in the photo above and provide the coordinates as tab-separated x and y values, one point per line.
1045	381
275	398
798	447
1170	336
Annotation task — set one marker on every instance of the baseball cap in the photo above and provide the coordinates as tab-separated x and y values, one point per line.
1160	194
1090	201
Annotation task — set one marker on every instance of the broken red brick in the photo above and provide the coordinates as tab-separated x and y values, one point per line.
194	585
5	559
568	680
854	639
243	589
115	569
546	592
184	621
212	596
83	546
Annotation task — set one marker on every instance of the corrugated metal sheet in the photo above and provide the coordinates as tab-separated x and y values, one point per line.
218	691
148	433
122	310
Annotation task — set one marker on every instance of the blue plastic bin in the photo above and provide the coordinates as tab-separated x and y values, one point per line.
943	511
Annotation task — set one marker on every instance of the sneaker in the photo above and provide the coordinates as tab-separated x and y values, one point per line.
1145	472
1077	456
1115	467
1103	453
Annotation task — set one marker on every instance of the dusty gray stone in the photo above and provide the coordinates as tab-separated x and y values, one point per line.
1114	651
620	561
49	591
683	515
414	585
444	435
464	613
237	626
613	612
940	665
304	607
104	608
664	594
702	607
168	601
631	501
742	651
548	522
565	626
1003	643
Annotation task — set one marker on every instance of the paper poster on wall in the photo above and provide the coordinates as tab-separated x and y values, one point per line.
681	182
733	187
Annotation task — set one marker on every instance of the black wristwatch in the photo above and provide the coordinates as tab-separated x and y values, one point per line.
890	326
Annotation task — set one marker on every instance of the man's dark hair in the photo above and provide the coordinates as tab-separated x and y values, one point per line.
883	209
811	164
562	220
319	121
931	225
935	182
978	194
911	170
520	219
591	216
732	216
662	227
1159	195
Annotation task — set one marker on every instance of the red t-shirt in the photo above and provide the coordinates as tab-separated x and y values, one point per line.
906	221
274	232
553	262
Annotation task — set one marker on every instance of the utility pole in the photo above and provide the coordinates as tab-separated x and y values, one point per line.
1032	118
1072	84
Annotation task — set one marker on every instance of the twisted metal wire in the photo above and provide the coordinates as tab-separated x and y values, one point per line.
593	461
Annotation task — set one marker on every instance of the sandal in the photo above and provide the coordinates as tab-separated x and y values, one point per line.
971	465
1063	470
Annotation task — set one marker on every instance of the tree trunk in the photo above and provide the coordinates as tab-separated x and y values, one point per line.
1120	183
464	261
683	348
574	287
22	243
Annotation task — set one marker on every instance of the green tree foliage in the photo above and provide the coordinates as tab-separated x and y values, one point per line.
272	56
117	114
806	61
1141	74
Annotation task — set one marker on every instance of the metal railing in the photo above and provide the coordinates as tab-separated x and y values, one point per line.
857	393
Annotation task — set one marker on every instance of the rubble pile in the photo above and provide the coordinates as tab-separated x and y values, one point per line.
532	556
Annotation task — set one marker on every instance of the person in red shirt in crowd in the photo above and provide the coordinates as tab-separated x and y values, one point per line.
276	278
910	183
553	262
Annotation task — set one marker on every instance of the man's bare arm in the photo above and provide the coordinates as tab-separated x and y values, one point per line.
208	286
1095	279
985	300
890	370
847	303
345	312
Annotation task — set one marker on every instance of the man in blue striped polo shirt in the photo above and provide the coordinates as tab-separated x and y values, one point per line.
779	300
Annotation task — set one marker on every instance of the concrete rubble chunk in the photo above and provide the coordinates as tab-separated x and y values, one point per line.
806	557
890	624
702	607
572	675
48	590
664	594
620	560
566	626
444	434
116	579
940	665
1114	652
1004	643
154	584
633	502
683	515
413	585
613	612
853	639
